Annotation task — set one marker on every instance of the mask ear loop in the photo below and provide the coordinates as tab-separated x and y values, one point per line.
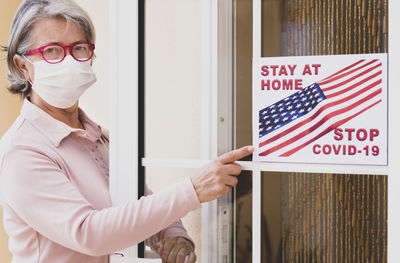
26	58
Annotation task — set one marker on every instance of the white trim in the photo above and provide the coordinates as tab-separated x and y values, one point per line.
256	207
256	229
209	234
225	77
209	78
209	10
124	99
271	167
257	12
213	118
224	102
394	131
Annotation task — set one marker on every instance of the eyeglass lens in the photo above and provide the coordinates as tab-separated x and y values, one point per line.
80	52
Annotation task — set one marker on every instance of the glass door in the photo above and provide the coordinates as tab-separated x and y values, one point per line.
198	84
307	214
194	74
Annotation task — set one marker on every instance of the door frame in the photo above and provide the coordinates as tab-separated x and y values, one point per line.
394	131
392	169
124	76
127	96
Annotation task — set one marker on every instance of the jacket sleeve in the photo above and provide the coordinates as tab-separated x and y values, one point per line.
176	229
39	192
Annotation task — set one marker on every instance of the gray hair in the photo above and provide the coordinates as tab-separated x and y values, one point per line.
29	12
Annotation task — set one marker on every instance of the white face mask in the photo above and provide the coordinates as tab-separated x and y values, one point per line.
62	84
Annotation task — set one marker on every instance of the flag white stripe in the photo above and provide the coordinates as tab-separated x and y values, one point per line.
359	68
351	82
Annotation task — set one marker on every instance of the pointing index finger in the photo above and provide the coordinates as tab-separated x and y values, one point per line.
235	155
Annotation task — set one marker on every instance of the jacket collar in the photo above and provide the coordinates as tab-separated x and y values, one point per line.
55	130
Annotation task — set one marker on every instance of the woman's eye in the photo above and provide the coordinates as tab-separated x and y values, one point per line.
50	50
80	48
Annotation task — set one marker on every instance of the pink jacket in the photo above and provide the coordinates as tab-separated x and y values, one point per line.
54	190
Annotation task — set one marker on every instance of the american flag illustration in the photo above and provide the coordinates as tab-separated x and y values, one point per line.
300	119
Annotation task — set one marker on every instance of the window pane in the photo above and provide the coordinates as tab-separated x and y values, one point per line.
158	179
324	217
351	223
243	224
311	27
173	113
173	79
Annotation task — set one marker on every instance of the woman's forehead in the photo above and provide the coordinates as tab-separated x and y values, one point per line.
56	30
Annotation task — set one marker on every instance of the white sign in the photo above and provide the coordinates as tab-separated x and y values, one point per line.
321	109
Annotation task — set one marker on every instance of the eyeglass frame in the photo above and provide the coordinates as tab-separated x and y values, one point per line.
41	50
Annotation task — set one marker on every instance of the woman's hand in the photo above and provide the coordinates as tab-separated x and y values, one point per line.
218	177
176	250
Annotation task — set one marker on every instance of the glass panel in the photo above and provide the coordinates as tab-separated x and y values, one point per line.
311	27
172	95
243	224
324	218
173	79
311	217
158	179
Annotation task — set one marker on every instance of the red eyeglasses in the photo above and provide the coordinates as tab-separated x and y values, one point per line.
54	53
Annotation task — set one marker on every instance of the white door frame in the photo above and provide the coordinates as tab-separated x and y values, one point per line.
124	96
394	132
393	168
124	104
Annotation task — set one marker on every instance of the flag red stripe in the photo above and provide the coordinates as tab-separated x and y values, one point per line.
350	79
354	85
346	68
320	122
347	73
316	114
327	130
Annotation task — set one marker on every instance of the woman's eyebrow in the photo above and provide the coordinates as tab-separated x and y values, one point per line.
50	43
62	44
80	41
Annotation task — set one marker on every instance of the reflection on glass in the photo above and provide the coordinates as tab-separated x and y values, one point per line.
324	218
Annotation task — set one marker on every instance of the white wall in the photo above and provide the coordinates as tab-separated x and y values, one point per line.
173	78
96	101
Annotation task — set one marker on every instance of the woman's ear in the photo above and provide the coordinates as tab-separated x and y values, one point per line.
23	67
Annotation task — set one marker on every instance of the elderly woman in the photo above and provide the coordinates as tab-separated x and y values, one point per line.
54	159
